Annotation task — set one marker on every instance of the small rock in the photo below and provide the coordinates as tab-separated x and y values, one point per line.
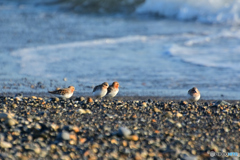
37	126
65	135
124	131
156	110
34	97
133	138
14	105
183	102
82	98
221	103
54	127
3	116
125	143
88	111
82	140
89	100
82	111
4	144
226	129
75	129
179	115
73	136
168	114
11	122
144	104
179	125
114	141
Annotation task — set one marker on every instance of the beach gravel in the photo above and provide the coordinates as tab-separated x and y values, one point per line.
52	128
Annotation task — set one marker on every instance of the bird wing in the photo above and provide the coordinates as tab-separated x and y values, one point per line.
110	89
96	87
60	91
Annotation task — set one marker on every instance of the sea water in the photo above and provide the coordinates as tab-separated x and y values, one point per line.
161	48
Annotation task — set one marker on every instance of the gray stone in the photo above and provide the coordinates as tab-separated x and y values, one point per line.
124	131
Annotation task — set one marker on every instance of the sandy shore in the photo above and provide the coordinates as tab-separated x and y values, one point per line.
127	128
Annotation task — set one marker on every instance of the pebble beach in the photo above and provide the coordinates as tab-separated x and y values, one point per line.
156	49
123	128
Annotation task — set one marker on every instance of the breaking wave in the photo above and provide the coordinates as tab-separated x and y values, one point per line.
204	11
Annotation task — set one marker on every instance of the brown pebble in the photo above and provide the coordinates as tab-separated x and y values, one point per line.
168	114
34	97
114	141
125	143
138	156
73	137
14	105
156	131
89	100
154	121
156	110
76	129
184	102
179	114
144	104
82	140
86	153
133	138
134	116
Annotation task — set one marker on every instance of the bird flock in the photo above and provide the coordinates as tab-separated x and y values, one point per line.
99	91
111	91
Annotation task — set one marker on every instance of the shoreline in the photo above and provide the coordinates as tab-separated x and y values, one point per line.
122	98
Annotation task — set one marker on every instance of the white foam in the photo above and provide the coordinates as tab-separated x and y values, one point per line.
207	11
209	57
41	60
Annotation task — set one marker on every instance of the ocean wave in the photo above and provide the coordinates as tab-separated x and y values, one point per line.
218	51
204	11
103	6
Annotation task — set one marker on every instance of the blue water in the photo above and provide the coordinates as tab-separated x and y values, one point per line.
41	44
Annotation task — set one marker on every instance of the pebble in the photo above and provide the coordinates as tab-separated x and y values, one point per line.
82	111
90	100
82	98
11	122
179	115
3	116
4	144
156	110
133	137
14	105
65	135
124	131
116	129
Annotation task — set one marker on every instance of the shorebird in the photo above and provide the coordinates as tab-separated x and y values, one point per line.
19	96
113	90
100	90
194	94
64	92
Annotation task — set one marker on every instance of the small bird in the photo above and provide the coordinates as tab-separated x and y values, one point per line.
100	90
194	94
64	92
18	97
113	90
